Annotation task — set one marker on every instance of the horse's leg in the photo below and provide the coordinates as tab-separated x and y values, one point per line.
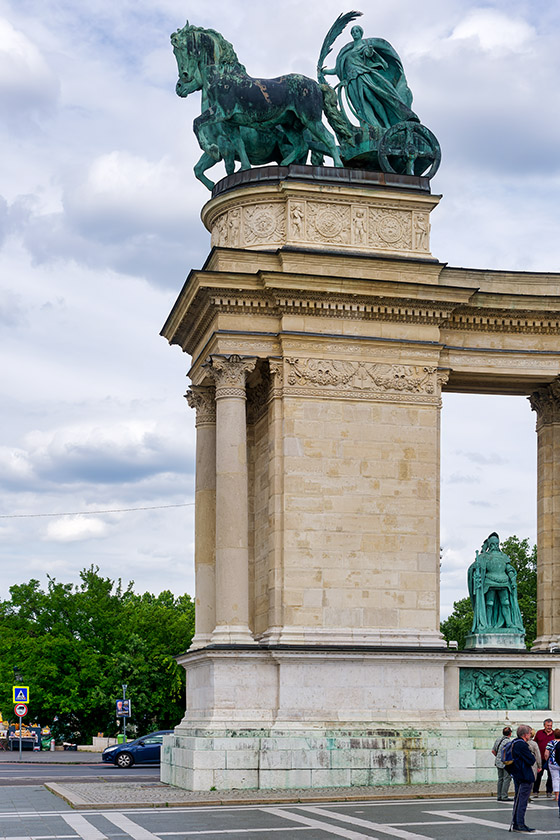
239	146
297	143
320	133
205	162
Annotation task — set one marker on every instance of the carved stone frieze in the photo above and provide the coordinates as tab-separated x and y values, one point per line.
470	358
203	399
229	374
349	219
264	223
546	402
328	222
390	229
227	229
361	376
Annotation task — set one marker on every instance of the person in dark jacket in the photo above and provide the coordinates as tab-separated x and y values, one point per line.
523	777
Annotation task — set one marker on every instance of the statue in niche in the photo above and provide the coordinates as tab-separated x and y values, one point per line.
492	583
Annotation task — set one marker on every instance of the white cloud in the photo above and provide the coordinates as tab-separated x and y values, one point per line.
27	83
75	528
15	465
125	193
494	31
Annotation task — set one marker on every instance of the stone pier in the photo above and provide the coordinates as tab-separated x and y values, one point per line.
322	333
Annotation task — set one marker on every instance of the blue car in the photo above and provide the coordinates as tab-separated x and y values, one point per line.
145	750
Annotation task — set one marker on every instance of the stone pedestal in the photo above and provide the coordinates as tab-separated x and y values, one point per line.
290	718
324	331
495	641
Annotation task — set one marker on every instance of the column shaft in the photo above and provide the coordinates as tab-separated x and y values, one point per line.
232	511
203	399
546	402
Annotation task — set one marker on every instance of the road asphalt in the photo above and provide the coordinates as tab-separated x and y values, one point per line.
100	795
48	757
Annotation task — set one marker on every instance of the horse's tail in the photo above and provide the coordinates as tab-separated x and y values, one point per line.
341	126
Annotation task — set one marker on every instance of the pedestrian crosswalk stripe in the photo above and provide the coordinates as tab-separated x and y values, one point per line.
129	827
83	828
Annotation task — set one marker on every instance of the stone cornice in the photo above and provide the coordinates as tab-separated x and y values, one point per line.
487	319
432	309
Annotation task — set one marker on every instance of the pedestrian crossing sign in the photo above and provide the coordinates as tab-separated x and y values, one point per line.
21	693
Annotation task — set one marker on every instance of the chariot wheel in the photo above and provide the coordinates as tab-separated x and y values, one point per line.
409	148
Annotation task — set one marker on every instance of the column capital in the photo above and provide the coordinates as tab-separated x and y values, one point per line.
442	377
230	373
203	399
546	402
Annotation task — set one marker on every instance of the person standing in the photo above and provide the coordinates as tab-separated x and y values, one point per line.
542	737
504	778
523	777
553	766
538	765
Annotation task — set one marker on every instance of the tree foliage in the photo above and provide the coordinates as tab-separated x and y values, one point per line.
524	559
75	646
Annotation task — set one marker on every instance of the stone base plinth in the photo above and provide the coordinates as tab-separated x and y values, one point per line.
285	718
495	641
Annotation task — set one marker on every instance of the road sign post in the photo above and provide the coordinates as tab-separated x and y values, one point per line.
21	711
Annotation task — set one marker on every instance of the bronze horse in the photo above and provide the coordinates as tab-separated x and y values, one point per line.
254	121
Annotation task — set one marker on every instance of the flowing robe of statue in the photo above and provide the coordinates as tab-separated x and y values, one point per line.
376	86
492	582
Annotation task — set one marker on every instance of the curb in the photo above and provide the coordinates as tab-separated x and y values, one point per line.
75	800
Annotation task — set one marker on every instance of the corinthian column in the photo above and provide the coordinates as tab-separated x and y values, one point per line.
546	402
232	506
202	398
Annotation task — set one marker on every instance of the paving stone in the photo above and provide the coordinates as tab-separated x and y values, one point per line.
149	794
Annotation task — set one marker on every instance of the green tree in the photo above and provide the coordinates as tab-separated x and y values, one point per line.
524	559
76	645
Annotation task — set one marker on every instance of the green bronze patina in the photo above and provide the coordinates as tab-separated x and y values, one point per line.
504	688
258	121
492	583
253	121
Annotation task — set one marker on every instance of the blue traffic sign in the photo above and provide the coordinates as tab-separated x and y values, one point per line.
21	693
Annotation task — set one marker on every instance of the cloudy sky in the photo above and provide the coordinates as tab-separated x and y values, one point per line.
99	224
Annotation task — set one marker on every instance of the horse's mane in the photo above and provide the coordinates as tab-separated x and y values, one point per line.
228	56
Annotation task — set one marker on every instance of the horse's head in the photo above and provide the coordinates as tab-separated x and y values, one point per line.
184	49
196	49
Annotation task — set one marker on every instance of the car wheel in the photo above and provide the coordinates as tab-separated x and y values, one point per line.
124	760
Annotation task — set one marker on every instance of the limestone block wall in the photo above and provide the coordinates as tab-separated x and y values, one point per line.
372	753
360	519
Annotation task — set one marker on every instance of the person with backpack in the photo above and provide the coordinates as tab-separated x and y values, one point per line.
504	778
522	760
552	755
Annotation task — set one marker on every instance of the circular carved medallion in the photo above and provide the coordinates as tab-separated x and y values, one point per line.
263	224
390	228
328	223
